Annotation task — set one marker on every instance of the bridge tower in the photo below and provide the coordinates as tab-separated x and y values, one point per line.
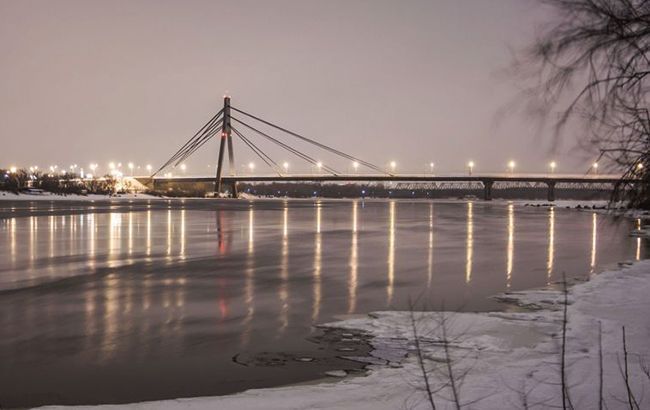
226	138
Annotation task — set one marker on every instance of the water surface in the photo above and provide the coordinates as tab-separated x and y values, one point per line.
129	301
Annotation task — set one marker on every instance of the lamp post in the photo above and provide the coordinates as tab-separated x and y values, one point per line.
511	167
285	165
393	166
553	165
595	168
431	164
470	167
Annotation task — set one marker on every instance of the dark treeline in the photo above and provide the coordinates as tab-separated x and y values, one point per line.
69	183
307	190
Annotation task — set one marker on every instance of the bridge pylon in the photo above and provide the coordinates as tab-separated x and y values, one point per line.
226	143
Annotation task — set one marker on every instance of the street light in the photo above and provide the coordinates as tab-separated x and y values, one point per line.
183	167
131	167
393	165
431	164
319	166
286	167
111	165
12	170
251	166
553	164
355	165
470	167
149	167
595	167
511	166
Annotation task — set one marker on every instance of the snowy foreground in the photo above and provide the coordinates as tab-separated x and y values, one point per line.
499	360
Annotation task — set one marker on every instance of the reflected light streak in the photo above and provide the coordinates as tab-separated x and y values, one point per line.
130	250
249	278
169	234
594	237
114	235
33	228
354	264
284	271
638	240
317	265
391	254
551	245
52	225
511	244
149	233
430	256
470	242
183	238
12	232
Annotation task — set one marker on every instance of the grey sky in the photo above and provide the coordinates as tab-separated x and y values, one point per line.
410	81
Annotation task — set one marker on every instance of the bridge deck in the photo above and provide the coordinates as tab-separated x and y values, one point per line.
546	178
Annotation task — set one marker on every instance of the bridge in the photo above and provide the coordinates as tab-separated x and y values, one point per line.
486	182
223	123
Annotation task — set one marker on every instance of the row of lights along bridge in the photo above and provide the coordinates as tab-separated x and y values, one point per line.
116	169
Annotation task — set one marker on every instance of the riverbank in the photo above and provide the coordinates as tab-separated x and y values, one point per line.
47	196
502	359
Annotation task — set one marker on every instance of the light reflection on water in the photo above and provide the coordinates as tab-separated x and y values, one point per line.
470	242
391	254
142	288
511	244
551	245
354	256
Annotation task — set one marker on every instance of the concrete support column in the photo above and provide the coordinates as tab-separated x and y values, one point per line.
551	191
233	189
487	190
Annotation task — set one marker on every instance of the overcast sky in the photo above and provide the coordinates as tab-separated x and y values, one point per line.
411	81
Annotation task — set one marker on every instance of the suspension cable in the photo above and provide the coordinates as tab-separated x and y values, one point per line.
287	147
210	129
190	141
311	141
258	151
198	145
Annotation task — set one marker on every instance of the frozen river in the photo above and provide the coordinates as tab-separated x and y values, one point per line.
113	302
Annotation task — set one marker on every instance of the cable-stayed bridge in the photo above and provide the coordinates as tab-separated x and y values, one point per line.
250	129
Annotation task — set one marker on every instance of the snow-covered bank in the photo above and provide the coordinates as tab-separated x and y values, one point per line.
506	357
600	206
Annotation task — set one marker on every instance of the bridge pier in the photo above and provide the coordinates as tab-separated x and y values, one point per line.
551	191
233	189
487	190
